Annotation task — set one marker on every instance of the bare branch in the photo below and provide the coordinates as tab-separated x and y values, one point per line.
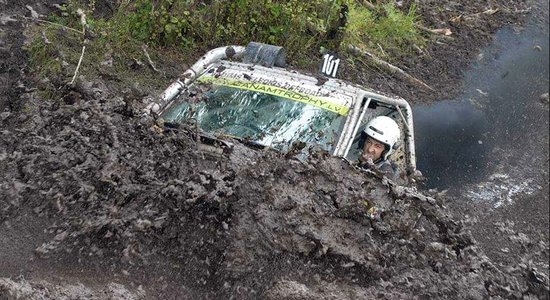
443	31
149	60
83	22
78	66
389	67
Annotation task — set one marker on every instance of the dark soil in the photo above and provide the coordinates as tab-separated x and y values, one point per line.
446	58
99	202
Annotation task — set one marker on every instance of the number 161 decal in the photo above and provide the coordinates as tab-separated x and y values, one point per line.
330	65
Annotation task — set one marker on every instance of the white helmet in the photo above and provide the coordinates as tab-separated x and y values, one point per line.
385	130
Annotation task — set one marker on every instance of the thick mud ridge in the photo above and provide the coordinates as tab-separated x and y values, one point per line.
126	195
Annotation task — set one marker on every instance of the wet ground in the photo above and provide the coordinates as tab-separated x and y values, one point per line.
500	106
490	152
97	202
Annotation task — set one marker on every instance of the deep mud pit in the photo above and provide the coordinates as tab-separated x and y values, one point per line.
98	202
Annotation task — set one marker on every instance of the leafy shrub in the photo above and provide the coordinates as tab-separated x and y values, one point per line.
299	26
192	27
387	30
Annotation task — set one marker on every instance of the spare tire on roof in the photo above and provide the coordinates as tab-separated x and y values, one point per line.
265	55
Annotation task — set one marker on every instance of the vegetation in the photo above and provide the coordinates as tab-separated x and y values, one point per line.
187	28
387	32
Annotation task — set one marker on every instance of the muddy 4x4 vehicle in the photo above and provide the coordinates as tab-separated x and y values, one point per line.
245	93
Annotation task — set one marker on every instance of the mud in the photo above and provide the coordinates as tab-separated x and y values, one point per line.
128	196
99	202
23	289
443	63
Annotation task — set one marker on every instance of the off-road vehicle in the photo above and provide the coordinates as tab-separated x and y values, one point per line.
246	93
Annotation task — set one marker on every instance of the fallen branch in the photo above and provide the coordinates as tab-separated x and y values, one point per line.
389	67
443	31
149	60
369	5
488	12
78	66
381	49
84	23
420	51
522	11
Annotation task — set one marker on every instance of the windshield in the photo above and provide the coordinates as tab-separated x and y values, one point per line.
267	119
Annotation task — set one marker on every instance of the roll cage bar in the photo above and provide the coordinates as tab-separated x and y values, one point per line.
355	120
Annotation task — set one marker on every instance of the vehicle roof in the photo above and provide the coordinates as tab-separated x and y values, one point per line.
336	90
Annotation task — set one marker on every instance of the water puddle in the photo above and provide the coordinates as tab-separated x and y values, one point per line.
501	189
451	141
491	139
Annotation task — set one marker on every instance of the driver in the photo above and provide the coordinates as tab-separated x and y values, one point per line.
381	136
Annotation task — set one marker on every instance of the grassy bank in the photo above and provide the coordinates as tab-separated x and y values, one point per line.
183	30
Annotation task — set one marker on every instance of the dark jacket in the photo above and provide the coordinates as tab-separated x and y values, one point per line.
389	169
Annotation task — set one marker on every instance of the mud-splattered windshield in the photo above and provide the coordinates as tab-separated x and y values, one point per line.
269	120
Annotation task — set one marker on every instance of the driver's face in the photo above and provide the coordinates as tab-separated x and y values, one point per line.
371	150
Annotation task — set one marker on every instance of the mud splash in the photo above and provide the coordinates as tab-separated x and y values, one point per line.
131	196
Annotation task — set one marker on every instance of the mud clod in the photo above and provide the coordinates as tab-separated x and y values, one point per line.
22	289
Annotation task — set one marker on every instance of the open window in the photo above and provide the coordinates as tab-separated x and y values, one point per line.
403	156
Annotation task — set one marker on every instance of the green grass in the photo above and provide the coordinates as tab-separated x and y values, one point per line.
185	29
389	32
